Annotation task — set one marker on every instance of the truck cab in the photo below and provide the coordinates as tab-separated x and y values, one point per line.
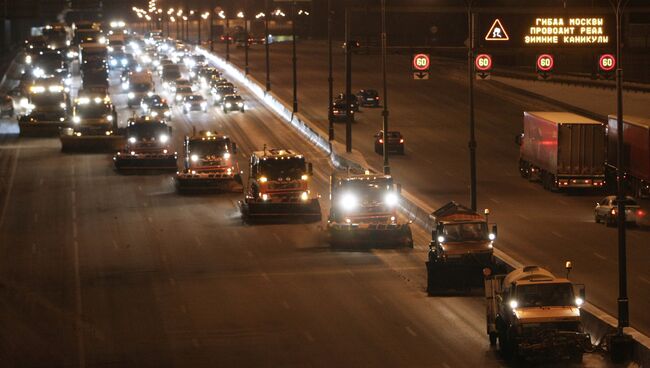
138	86
47	108
148	146
279	184
535	315
364	211
93	114
209	163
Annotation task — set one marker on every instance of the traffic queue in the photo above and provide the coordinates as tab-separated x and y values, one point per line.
524	307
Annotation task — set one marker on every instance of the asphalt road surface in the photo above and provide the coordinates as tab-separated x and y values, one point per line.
535	226
99	269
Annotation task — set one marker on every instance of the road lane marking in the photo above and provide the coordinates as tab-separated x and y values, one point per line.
149	219
600	256
249	253
9	187
377	299
524	217
277	237
557	234
643	279
309	336
115	244
195	343
35	217
448	173
81	354
265	276
285	304
40	182
198	241
494	200
350	272
172	281
410	331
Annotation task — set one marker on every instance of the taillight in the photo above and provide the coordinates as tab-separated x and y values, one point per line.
640	213
613	211
401	140
381	140
377	98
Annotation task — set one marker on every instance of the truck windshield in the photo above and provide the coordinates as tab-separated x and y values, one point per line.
92	110
292	168
171	74
141	87
47	99
545	295
147	130
469	231
208	148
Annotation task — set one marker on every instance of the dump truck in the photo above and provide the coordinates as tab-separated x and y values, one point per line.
363	212
562	150
94	125
534	315
636	148
462	246
47	109
148	146
209	164
279	186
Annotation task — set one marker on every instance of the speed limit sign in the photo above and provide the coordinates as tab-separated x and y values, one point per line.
421	62
607	62
483	62
545	63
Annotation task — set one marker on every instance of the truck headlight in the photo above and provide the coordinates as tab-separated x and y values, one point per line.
178	97
163	138
132	140
513	304
491	236
217	96
188	105
228	105
240	104
109	118
130	95
113	62
194	158
265	197
391	199
76	119
349	201
62	105
70	55
263	179
304	177
579	301
204	104
226	155
24	102
167	113
304	196
125	86
154	113
441	239
28	59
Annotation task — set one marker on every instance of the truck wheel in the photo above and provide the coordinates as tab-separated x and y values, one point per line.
524	170
597	219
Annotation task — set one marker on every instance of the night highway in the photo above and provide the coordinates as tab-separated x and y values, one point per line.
102	266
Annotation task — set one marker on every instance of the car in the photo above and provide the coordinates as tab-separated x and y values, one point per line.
222	90
6	106
194	103
233	102
338	111
353	102
368	98
156	107
395	142
605	211
182	91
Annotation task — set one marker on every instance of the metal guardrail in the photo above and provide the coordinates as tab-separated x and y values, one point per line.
596	322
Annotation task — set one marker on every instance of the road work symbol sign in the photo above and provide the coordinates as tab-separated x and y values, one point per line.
420	75
421	64
497	32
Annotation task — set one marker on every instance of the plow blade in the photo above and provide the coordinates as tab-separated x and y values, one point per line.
308	210
32	129
187	184
127	162
459	276
99	143
370	235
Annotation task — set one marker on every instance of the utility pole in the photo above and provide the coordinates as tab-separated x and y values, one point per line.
198	42
267	15
470	77
227	39
330	79
348	83
246	41
294	58
211	28
621	343
384	113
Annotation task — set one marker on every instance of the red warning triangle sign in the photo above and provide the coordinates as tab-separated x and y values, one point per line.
497	32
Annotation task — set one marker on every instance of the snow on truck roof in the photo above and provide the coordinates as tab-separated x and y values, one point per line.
559	117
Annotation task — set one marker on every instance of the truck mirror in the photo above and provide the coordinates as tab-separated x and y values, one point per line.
170	130
398	188
234	147
310	169
494	230
582	292
519	139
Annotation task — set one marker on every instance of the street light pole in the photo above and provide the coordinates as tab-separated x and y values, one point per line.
198	42
384	113
227	39
294	58
330	79
470	77
246	40
348	83
267	15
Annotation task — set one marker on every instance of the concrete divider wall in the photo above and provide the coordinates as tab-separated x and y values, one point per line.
596	322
